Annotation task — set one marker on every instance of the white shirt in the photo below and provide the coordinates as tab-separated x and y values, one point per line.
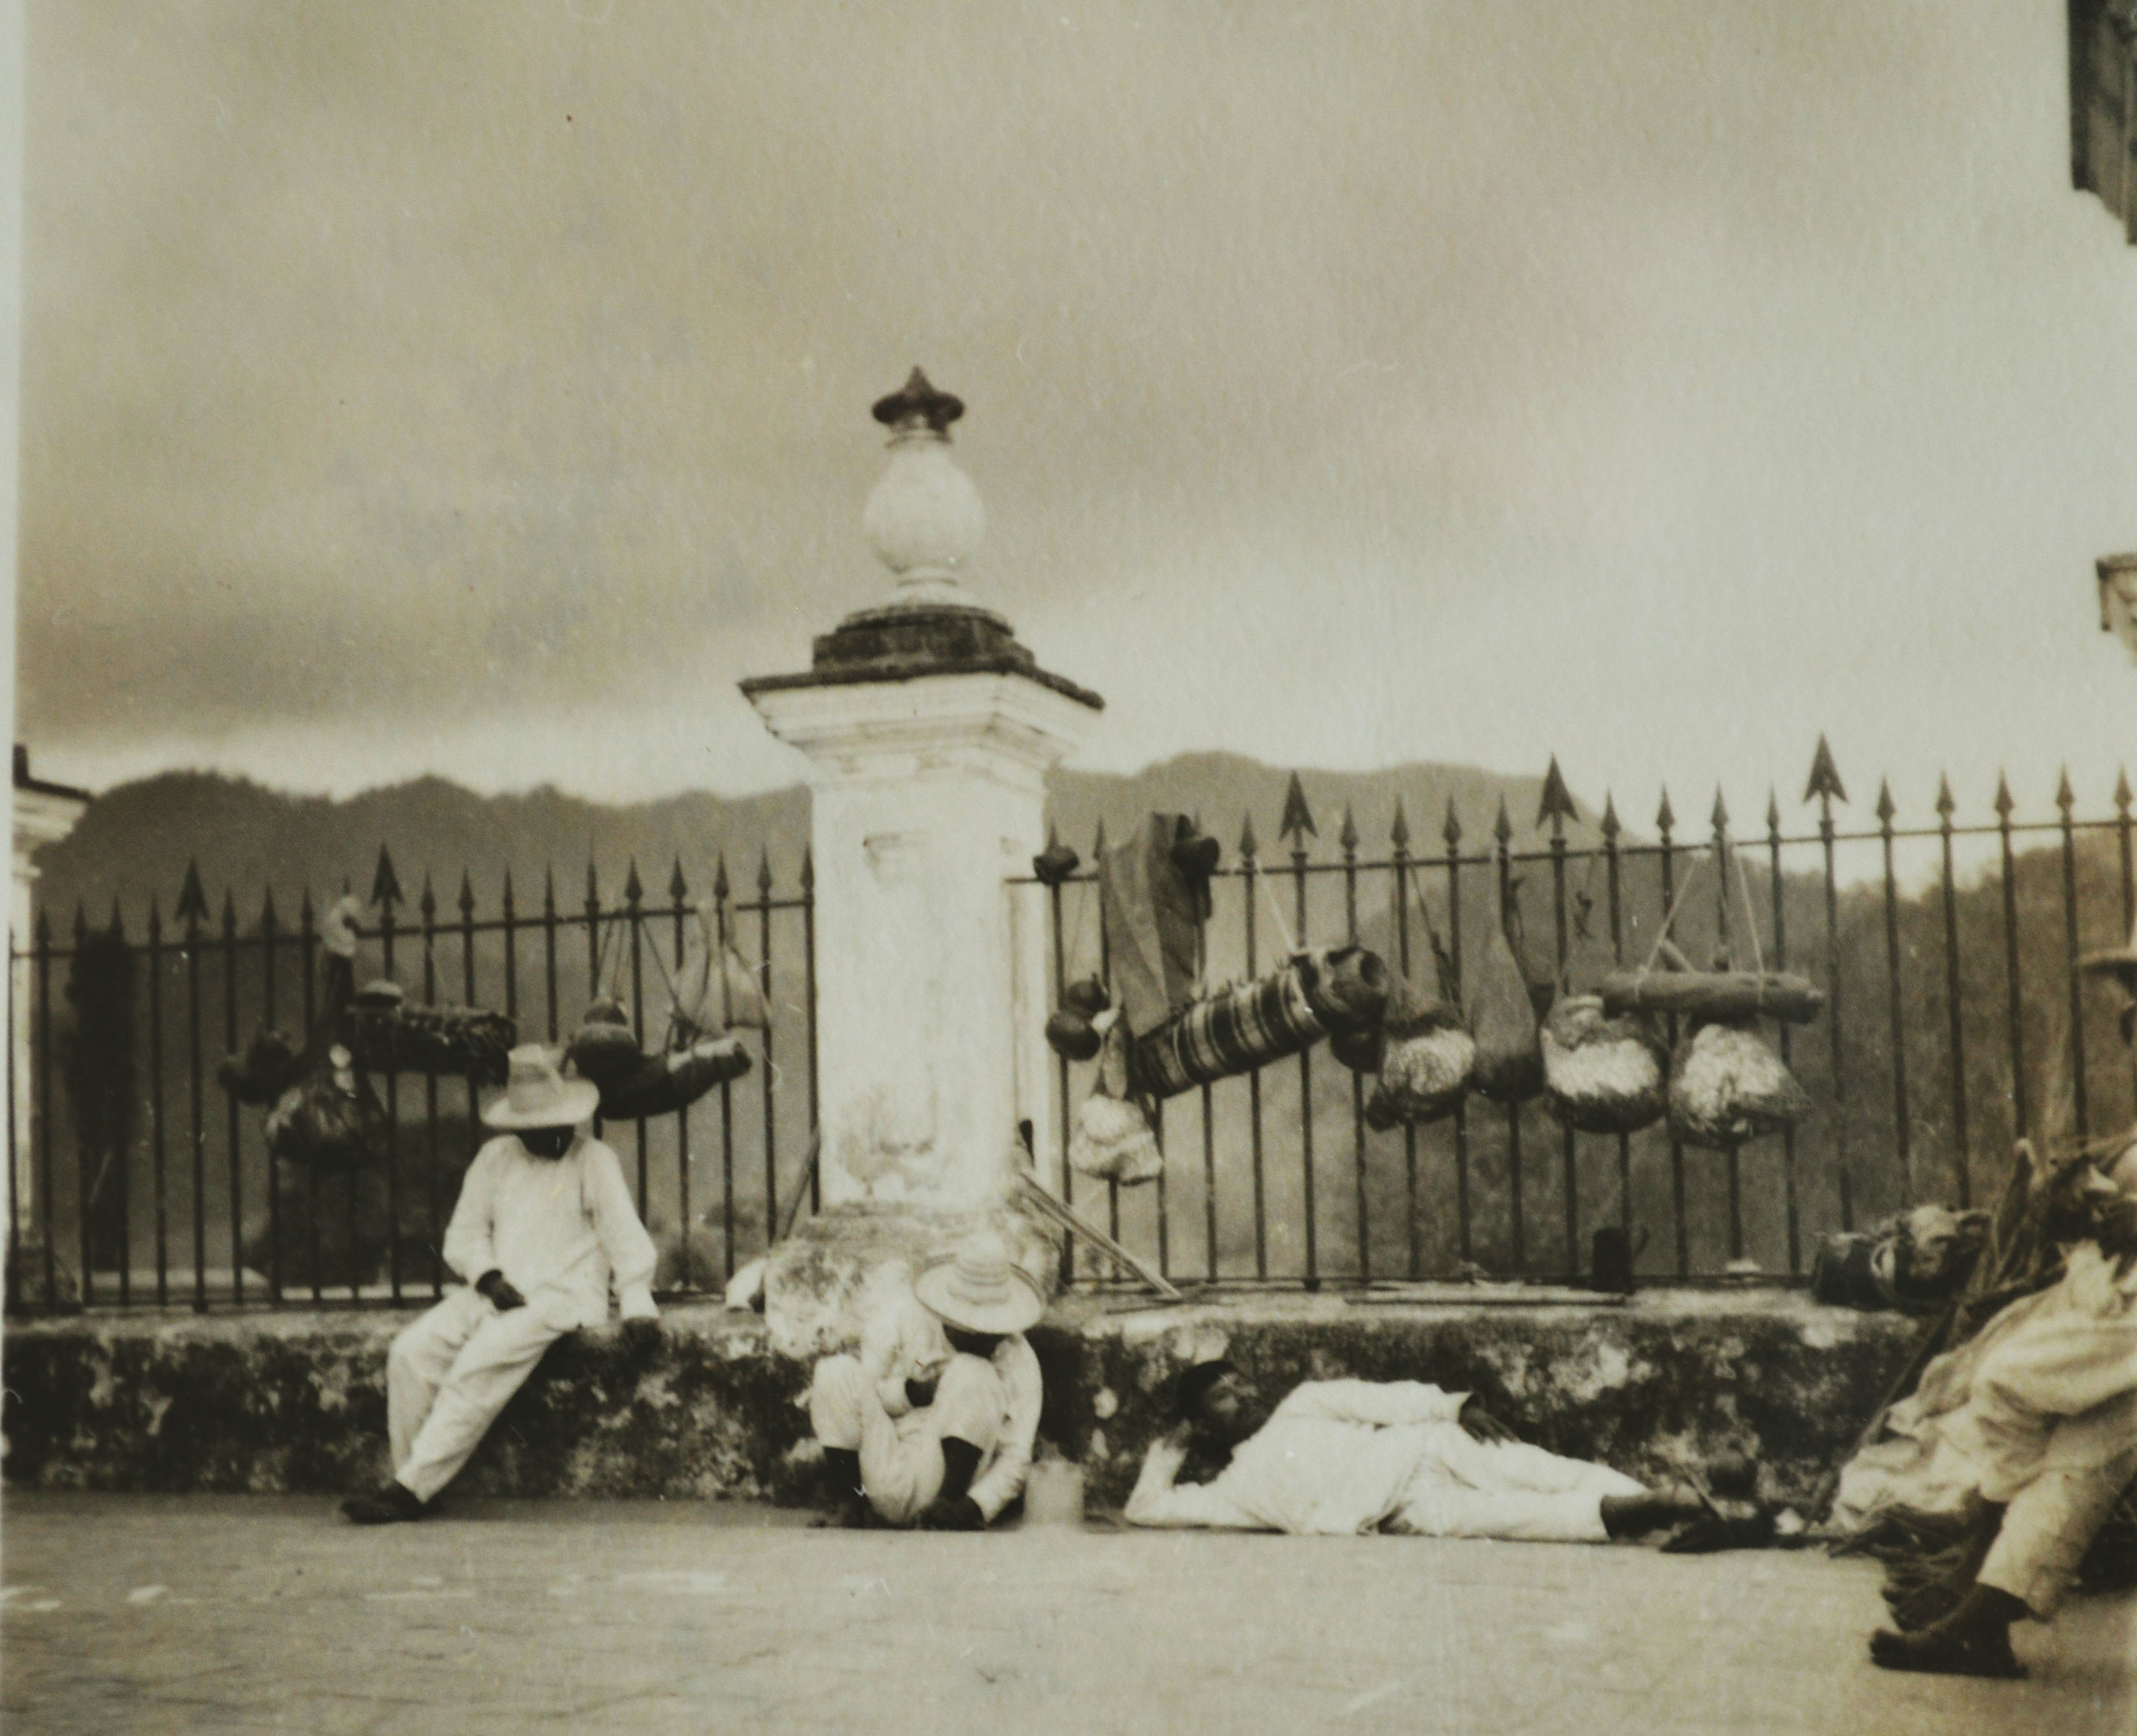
561	1232
907	1343
1337	1457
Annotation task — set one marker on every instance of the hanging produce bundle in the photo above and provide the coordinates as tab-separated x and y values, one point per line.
1113	1138
268	1068
330	1119
1502	1018
1603	1075
1425	1060
1070	1031
661	1084
1727	1086
636	1084
387	1035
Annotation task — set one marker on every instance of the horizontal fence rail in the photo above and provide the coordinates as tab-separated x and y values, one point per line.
1956	1022
151	1184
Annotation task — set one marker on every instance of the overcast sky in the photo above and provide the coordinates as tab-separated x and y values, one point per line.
484	390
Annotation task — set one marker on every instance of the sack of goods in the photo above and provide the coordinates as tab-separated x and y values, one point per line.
1233	1031
1728	1086
266	1069
1112	1138
1603	1075
664	1083
392	1037
329	1120
1069	1032
1914	1262
1347	987
1425	1059
604	1050
1502	1018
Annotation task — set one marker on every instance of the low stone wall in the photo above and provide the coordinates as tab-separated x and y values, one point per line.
297	1401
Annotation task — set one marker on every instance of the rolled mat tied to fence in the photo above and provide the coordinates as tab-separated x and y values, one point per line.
387	1035
1247	1025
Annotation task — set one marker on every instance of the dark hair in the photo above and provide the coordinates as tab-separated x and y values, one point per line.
1194	1386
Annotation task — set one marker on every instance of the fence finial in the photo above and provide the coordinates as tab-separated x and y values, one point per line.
1298	817
721	885
467	896
2122	789
1773	809
1502	828
1945	806
1824	775
1719	818
678	889
192	902
118	923
1248	847
2005	804
1348	837
1052	865
1886	807
267	911
80	923
1611	826
764	872
1399	832
1665	815
2065	797
808	869
385	884
1557	804
634	888
426	906
1451	829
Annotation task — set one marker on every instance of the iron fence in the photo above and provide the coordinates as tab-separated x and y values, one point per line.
150	1185
1956	1022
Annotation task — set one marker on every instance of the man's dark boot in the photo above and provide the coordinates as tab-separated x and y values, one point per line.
393	1505
842	1475
1973	1639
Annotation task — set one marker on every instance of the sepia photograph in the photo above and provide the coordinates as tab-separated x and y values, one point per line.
1104	865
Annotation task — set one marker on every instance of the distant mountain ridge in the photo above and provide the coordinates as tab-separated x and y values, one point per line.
136	840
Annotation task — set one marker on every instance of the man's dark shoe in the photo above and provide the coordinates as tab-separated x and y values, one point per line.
393	1505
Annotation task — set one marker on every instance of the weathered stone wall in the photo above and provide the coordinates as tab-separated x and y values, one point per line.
297	1401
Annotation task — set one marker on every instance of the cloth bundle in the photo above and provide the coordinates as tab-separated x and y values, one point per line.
388	1036
1914	1261
1728	1086
1425	1059
329	1120
1233	1031
265	1070
1603	1075
1112	1138
1154	897
661	1084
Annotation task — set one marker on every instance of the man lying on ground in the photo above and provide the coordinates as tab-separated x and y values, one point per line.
2034	1424
1340	1456
544	1224
932	1424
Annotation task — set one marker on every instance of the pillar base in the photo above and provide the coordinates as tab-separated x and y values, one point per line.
836	1269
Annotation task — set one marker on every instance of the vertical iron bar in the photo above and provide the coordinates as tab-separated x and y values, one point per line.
267	943
678	890
45	1101
1948	884
14	1133
1569	1156
1842	1175
633	899
428	911
1349	846
84	1185
473	1093
2022	1121
1732	1156
511	917
1665	819
199	1123
392	1131
771	1071
809	987
1249	875
2064	799
1516	1220
1451	833
591	908
1780	921
1106	975
1902	1129
549	943
1209	1132
230	1101
306	936
1305	1075
721	889
2123	841
1615	890
1061	1074
1399	836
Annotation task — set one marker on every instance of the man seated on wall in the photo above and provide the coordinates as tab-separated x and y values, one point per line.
1340	1456
932	1423
2032	1428
544	1225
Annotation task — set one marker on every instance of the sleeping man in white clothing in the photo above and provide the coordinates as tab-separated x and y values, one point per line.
1341	1456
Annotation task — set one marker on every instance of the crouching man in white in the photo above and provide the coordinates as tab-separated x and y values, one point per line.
1341	1456
932	1424
543	1226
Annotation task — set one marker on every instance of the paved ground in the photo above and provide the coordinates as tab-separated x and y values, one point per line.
252	1613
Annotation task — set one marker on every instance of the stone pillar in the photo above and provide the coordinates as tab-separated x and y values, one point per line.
928	731
45	812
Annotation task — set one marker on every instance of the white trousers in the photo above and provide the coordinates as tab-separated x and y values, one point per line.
448	1376
2047	1529
902	1457
1511	1491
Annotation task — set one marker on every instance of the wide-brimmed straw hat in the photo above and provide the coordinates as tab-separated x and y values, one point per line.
981	1289
536	1095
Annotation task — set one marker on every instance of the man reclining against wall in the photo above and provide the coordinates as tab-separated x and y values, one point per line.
932	1424
2028	1433
1339	1456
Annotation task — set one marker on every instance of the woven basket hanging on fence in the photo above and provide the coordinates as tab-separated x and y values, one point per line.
1603	1075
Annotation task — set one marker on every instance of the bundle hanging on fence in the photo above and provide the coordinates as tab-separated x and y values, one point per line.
328	1120
1070	1031
1425	1060
267	1068
664	1083
637	1084
1154	891
387	1035
1603	1075
1728	1086
1114	1139
1233	1031
1502	1018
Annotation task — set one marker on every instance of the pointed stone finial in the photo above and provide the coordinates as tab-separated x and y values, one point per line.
1665	816
1502	828
1886	807
2005	804
1297	817
1557	803
1945	806
1399	832
1824	775
192	902
385	884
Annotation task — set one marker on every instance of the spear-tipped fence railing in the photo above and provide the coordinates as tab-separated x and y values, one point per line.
1956	1019
144	1225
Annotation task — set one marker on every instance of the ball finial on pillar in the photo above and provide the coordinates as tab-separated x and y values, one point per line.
923	518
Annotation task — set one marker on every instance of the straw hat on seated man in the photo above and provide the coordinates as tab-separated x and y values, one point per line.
931	1424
